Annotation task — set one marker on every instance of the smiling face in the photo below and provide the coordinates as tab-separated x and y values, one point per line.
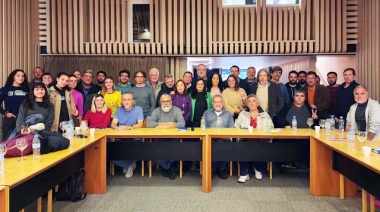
234	71
252	103
169	82
99	102
251	73
180	87
292	78
72	82
153	76
360	95
19	78
166	103
47	79
231	82
62	81
263	77
215	80
39	92
108	83
127	101
217	103
311	80
276	75
187	77
200	86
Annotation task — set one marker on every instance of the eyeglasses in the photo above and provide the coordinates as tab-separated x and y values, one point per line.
124	75
139	76
166	101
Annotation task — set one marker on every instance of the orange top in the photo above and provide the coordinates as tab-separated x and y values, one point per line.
310	95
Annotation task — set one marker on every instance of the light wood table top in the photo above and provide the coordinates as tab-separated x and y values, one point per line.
243	133
373	162
17	171
151	133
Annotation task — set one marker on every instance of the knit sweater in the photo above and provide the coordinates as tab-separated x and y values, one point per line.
183	102
144	98
46	112
233	98
98	119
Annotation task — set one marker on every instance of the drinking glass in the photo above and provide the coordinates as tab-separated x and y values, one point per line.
21	144
322	123
218	123
83	127
310	122
3	149
63	125
362	136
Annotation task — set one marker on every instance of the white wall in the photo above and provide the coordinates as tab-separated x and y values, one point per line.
327	63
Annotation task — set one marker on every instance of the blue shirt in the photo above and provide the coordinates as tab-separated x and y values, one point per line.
210	118
284	92
128	118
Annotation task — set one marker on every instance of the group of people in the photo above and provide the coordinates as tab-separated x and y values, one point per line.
260	102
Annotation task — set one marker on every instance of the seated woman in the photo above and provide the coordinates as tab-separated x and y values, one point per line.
256	118
99	116
35	109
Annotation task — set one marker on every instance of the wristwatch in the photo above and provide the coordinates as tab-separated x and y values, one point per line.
131	127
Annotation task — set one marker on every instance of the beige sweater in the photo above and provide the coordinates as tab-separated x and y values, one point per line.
232	98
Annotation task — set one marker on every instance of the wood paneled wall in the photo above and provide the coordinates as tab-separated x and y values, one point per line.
199	27
368	48
305	64
19	44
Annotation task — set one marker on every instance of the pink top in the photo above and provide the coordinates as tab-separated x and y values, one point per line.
78	100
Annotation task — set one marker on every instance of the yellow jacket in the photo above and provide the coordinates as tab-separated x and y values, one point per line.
55	99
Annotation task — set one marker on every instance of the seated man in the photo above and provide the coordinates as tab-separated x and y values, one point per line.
127	117
364	115
302	112
227	121
165	117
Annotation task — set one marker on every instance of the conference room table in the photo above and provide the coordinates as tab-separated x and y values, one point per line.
23	182
333	168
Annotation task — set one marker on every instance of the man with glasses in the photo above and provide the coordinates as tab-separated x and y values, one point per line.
123	86
166	117
143	94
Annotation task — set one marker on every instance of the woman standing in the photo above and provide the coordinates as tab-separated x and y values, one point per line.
37	107
112	97
99	116
12	94
234	97
78	97
63	101
201	101
215	84
78	75
256	118
181	99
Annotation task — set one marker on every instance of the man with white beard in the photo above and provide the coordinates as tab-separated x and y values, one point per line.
165	117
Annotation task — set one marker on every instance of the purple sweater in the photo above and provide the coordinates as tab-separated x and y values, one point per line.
183	102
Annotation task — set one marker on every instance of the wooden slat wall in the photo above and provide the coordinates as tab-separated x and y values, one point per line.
18	30
305	64
369	47
200	27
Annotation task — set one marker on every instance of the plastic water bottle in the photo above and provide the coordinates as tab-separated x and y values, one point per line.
3	150
294	124
351	139
36	145
203	124
70	130
332	127
327	127
341	125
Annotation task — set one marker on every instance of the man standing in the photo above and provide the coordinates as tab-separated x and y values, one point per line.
201	74
317	96
364	115
153	81
234	70
167	87
88	89
187	77
276	74
251	75
127	117
332	77
123	86
292	86
143	94
302	78
37	75
345	94
166	117
211	117
100	77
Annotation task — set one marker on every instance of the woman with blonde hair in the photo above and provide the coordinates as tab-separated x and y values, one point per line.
112	97
99	116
